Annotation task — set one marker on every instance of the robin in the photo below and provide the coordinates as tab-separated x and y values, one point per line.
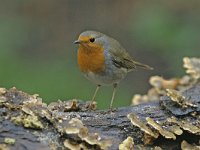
104	61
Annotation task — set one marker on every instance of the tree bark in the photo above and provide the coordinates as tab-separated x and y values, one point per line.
32	124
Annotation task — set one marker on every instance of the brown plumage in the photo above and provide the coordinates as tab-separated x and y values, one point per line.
103	60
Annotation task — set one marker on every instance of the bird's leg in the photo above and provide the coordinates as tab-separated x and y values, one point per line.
113	95
95	93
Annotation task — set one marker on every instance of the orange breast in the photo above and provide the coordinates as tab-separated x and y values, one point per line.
91	60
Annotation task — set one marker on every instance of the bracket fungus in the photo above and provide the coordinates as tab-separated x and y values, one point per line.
165	119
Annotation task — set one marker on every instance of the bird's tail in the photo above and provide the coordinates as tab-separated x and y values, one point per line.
140	65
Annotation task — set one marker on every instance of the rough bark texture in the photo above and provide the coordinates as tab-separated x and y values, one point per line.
171	121
35	125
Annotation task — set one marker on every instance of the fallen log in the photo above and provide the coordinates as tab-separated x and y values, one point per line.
170	122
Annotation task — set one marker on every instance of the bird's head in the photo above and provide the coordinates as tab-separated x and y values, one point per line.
91	40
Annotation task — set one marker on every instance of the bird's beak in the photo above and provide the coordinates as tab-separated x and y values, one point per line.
77	42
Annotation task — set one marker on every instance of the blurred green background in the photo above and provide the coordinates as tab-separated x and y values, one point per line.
37	54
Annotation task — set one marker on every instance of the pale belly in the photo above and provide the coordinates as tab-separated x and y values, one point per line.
106	78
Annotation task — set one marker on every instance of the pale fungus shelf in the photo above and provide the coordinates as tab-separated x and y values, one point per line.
167	117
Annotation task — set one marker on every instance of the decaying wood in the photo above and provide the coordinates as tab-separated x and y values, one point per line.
27	123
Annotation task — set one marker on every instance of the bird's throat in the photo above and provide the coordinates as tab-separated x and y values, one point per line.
91	59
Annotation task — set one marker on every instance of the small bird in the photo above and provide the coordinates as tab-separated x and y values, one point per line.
104	61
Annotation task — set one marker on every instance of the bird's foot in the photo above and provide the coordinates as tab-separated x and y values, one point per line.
92	105
112	110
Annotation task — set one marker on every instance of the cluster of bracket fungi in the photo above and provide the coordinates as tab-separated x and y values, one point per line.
173	96
34	113
30	112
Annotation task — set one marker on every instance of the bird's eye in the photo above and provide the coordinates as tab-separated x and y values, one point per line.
92	40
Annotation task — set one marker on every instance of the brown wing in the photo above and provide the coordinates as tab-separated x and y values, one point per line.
123	63
129	64
122	59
